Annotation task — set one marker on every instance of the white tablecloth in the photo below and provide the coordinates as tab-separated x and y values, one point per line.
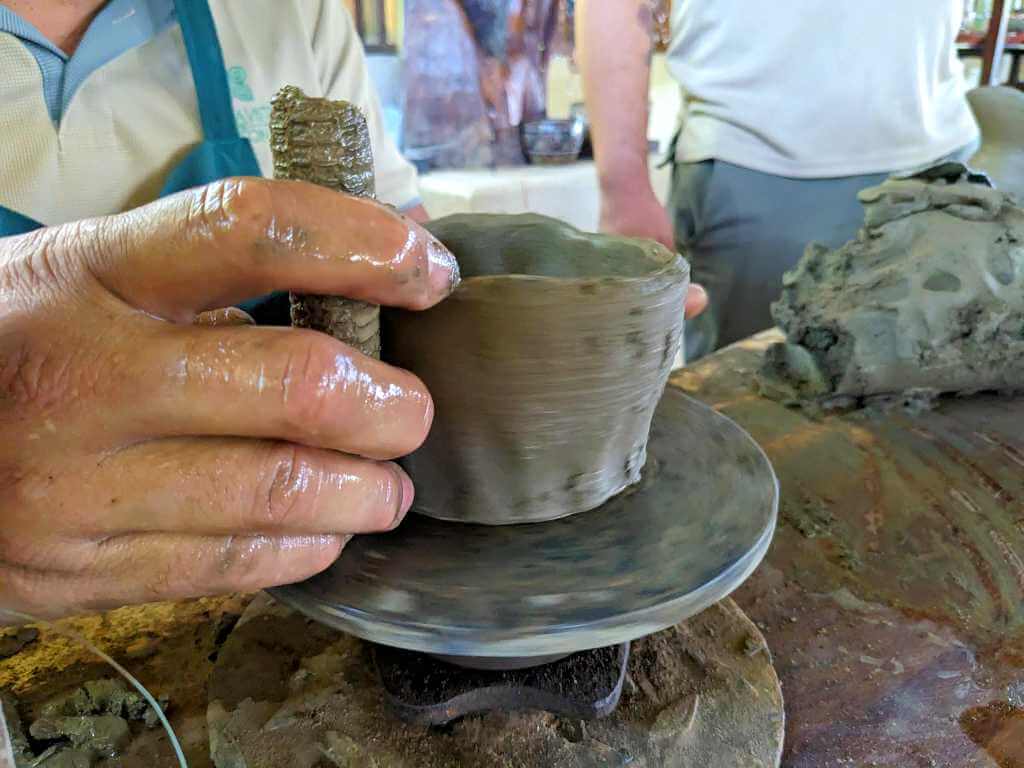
567	192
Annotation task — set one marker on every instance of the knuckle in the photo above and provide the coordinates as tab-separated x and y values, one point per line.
289	490
246	563
235	212
47	374
313	372
33	376
241	559
37	266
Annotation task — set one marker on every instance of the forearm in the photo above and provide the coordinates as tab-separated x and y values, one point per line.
615	40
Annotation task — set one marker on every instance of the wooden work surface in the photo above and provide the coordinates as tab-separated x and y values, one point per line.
893	595
891	598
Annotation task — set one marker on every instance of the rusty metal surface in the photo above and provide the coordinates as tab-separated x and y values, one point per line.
893	595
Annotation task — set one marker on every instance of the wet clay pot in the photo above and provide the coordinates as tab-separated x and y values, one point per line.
545	366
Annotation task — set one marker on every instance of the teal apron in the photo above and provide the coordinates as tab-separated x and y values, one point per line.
221	154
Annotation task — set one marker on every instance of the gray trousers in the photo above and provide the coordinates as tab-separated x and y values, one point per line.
742	229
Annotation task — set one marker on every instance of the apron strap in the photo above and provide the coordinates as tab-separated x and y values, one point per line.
13	223
208	72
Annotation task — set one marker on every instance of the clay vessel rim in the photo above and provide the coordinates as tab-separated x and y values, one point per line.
676	270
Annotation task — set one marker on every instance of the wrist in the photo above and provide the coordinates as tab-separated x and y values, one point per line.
635	187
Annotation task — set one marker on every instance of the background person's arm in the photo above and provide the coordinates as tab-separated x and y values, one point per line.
615	40
418	214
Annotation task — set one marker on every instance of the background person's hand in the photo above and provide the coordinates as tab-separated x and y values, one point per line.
638	214
641	215
147	456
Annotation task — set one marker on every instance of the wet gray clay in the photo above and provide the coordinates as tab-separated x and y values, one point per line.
327	143
930	296
545	366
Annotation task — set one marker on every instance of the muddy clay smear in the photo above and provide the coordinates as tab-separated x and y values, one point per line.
80	727
287	691
327	143
545	366
928	299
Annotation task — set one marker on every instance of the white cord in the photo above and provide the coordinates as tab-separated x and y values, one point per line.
71	634
6	748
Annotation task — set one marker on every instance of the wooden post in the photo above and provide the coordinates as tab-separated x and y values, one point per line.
995	42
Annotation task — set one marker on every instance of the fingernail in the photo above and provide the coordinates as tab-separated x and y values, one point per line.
408	492
696	300
444	269
225	317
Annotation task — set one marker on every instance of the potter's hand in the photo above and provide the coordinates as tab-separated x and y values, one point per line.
146	456
639	214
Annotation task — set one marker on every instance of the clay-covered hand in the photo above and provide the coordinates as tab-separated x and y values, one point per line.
639	214
148	456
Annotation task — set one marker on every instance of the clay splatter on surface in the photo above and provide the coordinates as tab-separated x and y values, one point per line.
695	695
169	647
891	596
928	299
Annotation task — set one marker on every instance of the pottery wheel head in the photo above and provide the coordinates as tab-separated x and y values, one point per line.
686	536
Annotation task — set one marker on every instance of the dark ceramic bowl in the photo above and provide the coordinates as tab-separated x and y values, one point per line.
545	366
553	142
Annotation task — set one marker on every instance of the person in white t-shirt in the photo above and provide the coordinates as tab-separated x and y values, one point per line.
789	109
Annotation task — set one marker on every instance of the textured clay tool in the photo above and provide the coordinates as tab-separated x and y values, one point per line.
327	143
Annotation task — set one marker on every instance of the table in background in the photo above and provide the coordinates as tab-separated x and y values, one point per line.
566	192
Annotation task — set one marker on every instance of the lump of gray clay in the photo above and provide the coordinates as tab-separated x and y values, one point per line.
102	697
930	296
545	366
106	735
